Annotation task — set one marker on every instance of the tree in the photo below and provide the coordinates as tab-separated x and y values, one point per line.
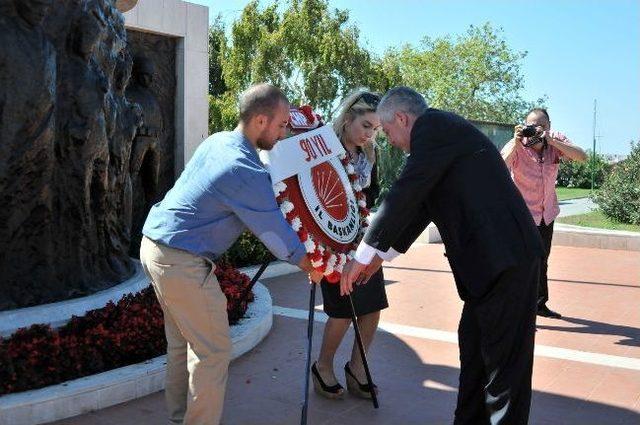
217	44
579	173
222	102
314	54
476	75
619	197
308	50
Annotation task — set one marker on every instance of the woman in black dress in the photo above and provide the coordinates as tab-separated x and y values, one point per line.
356	127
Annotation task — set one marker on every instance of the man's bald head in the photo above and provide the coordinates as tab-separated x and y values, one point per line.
261	99
264	113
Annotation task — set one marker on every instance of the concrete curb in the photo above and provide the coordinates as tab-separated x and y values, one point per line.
57	314
589	237
275	269
569	235
127	383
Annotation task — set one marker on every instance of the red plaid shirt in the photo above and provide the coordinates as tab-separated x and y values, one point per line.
535	174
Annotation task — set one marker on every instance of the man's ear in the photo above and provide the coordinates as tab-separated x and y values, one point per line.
261	121
402	118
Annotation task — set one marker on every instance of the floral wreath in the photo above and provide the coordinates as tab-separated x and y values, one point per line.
327	259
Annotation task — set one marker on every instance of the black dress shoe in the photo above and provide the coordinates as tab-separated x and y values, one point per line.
544	311
332	392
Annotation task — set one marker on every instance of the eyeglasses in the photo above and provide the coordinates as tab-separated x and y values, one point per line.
370	99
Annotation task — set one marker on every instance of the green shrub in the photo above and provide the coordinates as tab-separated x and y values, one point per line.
247	251
223	113
619	197
578	174
390	163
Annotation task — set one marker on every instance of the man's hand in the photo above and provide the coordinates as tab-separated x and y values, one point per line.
371	269
351	271
305	264
517	133
315	276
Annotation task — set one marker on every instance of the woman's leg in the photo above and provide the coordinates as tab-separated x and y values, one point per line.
334	332
368	325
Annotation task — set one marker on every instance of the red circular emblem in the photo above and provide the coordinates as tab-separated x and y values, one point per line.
330	190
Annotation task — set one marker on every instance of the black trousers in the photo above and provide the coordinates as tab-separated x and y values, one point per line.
546	233
496	337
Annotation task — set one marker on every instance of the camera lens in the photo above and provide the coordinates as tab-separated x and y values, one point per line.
529	131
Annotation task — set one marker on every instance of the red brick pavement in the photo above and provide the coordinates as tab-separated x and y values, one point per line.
597	291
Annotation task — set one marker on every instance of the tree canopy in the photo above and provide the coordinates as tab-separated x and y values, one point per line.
314	53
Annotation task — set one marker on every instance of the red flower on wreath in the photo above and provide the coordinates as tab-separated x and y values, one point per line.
307	111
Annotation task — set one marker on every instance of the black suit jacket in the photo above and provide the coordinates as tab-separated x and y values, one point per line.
455	177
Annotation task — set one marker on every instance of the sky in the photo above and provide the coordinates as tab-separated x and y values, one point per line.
578	51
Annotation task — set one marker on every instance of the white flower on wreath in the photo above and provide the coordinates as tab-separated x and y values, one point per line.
362	203
331	262
350	169
296	224
328	270
357	187
286	207
309	245
279	187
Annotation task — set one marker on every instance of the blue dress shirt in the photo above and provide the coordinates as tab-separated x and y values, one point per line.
223	190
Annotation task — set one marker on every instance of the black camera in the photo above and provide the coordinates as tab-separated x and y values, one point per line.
529	131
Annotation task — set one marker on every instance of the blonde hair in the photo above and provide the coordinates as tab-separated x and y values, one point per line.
357	103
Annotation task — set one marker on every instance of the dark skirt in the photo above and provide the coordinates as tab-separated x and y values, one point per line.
367	298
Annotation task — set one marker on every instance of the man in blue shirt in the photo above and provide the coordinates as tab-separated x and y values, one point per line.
223	190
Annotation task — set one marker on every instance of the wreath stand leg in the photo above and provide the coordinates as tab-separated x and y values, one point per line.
312	305
356	328
255	278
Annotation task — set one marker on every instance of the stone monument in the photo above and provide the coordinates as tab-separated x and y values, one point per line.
87	144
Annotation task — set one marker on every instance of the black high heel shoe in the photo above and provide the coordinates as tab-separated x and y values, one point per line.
332	392
355	387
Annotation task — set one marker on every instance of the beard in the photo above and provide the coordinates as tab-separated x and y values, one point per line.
265	141
264	145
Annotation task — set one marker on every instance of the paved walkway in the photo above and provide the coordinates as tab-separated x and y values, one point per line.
587	366
576	206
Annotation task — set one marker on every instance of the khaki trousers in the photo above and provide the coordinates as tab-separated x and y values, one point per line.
197	329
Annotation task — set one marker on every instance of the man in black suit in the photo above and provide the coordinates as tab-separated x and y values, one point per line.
455	177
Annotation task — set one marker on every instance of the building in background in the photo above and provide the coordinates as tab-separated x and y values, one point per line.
499	133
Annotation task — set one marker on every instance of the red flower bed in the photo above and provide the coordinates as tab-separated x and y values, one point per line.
116	335
234	284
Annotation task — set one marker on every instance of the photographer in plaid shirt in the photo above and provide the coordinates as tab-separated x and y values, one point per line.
533	158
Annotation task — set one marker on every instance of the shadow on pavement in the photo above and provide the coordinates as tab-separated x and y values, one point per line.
266	387
631	334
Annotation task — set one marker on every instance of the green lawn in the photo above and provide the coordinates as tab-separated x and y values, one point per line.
565	193
599	220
